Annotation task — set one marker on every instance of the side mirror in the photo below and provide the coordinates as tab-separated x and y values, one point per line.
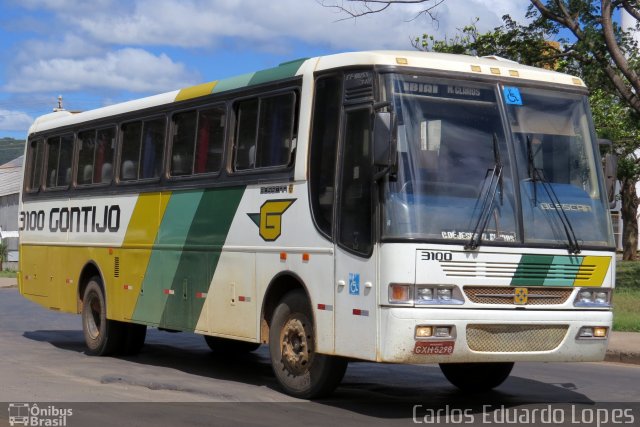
610	169
384	150
611	177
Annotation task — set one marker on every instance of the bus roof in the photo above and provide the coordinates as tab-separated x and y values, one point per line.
492	66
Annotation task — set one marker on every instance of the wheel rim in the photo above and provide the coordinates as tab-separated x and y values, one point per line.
93	318
296	343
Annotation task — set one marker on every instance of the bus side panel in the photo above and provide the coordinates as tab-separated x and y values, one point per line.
230	308
34	274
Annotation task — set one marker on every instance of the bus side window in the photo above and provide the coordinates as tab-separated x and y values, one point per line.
355	206
152	148
326	123
210	140
59	155
103	163
36	158
246	135
142	148
275	131
131	134
183	141
86	154
265	132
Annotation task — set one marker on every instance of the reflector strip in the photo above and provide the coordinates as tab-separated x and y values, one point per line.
326	307
69	281
128	287
169	292
201	294
244	299
358	312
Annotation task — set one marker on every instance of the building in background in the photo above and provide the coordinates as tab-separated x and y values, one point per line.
10	179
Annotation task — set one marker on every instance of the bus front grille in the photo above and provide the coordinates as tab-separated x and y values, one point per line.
514	338
506	295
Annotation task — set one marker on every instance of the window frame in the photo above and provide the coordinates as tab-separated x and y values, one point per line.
30	165
169	141
120	145
73	162
95	129
232	138
339	76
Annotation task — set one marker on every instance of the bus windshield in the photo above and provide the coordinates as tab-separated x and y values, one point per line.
451	141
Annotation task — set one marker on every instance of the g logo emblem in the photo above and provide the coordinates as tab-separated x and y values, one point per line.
269	220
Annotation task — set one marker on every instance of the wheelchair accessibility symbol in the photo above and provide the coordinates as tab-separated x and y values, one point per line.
512	95
354	284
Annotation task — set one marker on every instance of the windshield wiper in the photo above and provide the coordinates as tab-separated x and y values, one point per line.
488	197
537	176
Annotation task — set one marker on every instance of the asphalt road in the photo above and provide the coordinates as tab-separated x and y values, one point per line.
176	380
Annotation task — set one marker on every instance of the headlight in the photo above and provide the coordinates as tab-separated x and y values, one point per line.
407	294
593	298
424	294
438	294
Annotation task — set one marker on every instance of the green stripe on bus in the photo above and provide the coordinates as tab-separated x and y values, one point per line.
563	270
283	71
232	83
165	256
532	270
199	259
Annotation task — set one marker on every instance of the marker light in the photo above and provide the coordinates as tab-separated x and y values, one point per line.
400	293
593	332
443	331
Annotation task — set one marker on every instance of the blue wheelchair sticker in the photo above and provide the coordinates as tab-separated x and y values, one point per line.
354	284
512	95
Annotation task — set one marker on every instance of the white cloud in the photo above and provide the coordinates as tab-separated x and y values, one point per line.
271	24
14	120
135	70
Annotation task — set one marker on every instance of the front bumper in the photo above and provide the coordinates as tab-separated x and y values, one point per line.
528	330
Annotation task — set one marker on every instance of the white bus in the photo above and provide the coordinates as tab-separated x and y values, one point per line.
400	207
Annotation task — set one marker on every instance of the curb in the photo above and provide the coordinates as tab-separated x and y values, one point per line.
622	357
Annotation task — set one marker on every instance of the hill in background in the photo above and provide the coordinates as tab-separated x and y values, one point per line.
10	149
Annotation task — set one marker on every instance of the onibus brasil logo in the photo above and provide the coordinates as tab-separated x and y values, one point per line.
27	414
269	220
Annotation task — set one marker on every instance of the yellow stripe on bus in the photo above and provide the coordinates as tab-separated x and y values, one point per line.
196	91
134	255
592	271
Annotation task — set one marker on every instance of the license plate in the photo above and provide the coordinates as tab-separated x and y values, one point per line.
434	348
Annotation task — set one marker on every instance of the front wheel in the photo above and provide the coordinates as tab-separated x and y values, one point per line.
301	371
476	377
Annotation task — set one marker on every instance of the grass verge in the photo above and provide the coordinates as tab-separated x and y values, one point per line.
7	273
626	298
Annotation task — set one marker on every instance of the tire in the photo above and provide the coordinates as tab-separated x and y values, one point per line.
133	337
230	347
102	336
301	371
476	377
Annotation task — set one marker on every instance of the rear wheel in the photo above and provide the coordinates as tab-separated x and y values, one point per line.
298	368
228	346
476	377
102	336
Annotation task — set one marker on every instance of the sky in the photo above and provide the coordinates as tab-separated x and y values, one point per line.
100	52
